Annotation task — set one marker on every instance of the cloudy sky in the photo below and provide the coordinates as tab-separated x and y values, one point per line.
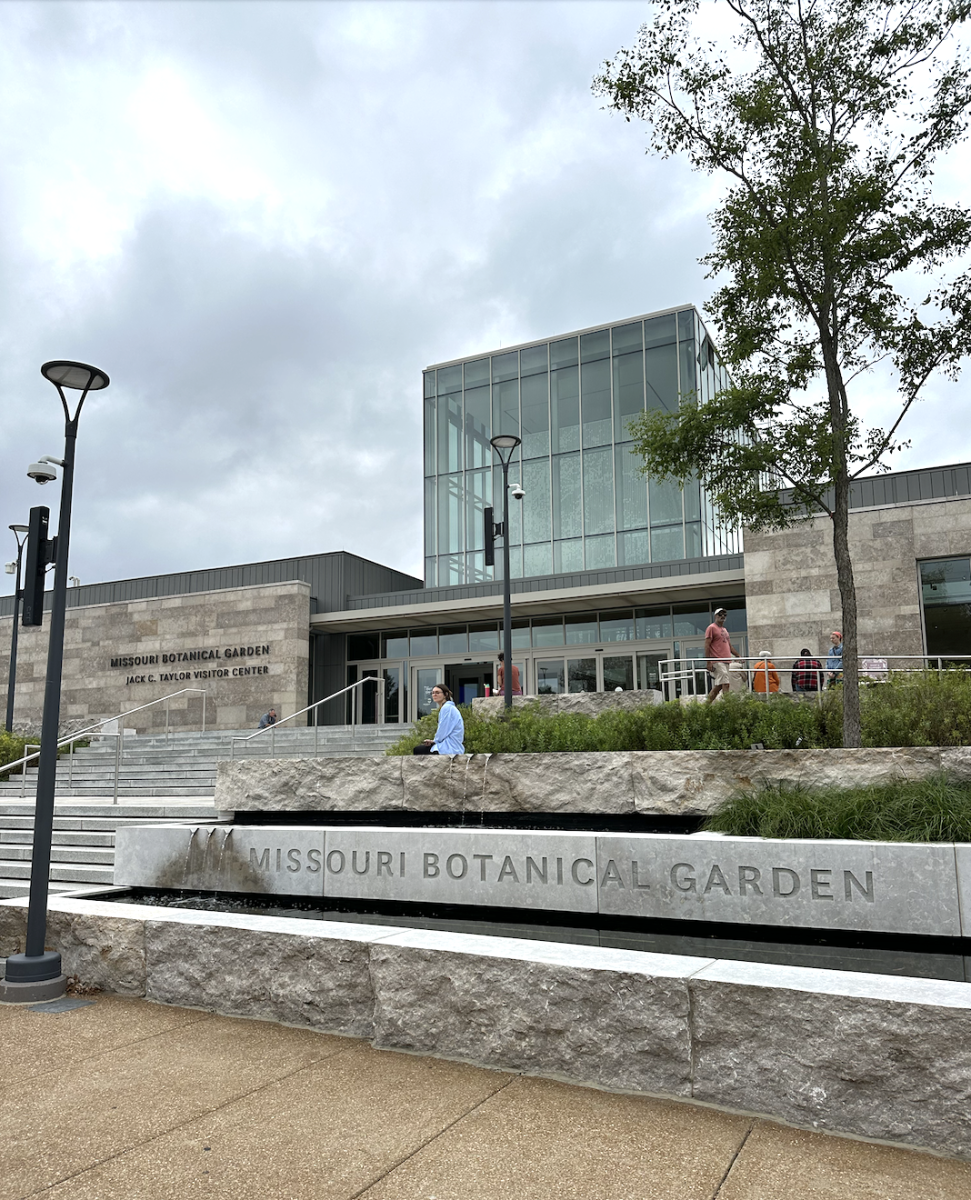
264	219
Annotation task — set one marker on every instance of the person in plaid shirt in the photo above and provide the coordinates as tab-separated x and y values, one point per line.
806	673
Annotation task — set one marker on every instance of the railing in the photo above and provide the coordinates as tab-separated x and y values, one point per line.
98	727
874	668
355	709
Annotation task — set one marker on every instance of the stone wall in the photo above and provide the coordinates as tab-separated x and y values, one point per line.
248	647
792	597
588	704
871	1055
617	783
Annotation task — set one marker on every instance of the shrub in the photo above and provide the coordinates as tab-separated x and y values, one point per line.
926	709
11	748
928	810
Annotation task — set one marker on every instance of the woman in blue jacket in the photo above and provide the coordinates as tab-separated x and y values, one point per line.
450	735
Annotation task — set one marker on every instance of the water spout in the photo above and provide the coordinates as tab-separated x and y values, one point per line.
193	830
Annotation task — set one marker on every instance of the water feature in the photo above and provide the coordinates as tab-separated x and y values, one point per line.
878	954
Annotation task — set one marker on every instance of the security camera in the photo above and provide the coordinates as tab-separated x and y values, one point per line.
41	472
517	491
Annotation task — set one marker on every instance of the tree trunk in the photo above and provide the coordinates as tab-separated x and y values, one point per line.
847	586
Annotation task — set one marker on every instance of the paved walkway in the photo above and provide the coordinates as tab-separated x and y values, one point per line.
135	1101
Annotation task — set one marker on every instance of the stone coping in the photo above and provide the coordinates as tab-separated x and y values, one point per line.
664	782
875	887
876	1056
590	704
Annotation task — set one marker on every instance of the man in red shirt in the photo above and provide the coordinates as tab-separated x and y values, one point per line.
516	688
718	650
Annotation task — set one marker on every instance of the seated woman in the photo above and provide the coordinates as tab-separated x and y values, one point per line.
764	675
450	735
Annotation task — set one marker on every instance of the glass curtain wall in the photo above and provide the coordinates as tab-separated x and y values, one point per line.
587	504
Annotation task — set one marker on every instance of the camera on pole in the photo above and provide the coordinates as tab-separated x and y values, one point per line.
41	550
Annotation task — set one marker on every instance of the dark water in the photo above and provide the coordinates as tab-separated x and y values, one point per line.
878	954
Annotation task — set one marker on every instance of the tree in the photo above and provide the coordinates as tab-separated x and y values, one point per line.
825	127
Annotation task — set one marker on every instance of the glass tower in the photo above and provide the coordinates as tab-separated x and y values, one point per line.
570	399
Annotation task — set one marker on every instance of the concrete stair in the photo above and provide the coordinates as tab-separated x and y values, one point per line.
184	765
160	779
83	843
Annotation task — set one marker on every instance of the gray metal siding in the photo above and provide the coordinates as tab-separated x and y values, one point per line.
327	575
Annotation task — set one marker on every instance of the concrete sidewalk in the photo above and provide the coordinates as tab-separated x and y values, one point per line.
128	1099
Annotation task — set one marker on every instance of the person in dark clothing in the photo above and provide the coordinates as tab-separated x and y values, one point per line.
806	673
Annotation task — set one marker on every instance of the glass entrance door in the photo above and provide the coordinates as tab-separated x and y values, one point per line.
649	670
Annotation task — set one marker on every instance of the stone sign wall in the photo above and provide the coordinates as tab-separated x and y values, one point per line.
866	886
247	647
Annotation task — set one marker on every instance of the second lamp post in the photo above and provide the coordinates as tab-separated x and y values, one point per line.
18	532
504	444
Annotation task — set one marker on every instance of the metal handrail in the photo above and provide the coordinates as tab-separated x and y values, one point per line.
90	729
928	661
378	679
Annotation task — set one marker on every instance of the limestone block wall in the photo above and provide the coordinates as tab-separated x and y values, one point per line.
248	647
792	597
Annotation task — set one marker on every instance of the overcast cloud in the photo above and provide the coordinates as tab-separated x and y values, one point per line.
264	219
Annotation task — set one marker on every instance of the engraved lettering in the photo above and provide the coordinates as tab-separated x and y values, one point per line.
463	866
313	861
367	862
401	864
576	876
293	859
817	883
636	884
611	875
748	877
717	879
263	864
384	862
559	870
683	882
507	869
482	859
430	866
339	856
531	867
850	881
781	875
279	859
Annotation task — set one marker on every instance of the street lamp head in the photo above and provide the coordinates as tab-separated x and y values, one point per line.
77	376
10	568
504	444
19	528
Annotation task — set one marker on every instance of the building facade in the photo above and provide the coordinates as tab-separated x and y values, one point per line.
612	575
570	399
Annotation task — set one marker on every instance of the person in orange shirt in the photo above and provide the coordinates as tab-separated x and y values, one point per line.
765	672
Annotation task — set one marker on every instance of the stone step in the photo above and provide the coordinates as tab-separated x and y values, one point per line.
61	837
66	873
73	854
106	811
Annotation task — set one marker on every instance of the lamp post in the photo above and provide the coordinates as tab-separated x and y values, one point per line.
18	532
36	974
504	444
